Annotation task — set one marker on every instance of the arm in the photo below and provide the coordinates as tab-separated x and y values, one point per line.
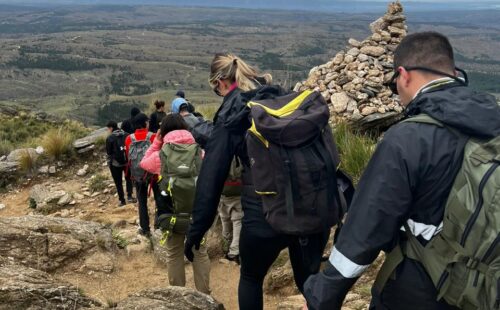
151	161
219	153
380	206
109	150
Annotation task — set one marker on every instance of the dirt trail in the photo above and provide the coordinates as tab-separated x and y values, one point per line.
134	272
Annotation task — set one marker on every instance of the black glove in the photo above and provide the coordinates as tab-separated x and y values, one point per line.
188	246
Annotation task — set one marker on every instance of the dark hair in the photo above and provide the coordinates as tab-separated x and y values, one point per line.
134	112
180	94
159	104
184	107
140	121
171	122
425	49
112	124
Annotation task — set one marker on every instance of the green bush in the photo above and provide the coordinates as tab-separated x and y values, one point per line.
6	147
355	150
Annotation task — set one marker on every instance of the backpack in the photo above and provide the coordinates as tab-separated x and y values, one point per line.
119	152
136	153
463	260
233	185
180	166
294	159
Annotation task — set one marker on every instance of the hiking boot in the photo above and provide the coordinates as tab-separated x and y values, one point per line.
233	258
131	199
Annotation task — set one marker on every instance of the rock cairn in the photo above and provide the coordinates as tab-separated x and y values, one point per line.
353	82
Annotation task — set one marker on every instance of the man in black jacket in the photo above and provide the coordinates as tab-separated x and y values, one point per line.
408	179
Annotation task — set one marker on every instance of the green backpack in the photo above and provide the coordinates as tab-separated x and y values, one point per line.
233	185
463	259
180	166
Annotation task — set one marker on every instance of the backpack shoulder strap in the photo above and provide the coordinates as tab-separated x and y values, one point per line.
423	119
132	138
148	136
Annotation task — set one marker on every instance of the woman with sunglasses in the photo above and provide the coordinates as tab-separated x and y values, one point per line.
260	245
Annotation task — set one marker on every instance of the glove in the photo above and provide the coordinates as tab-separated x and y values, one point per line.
191	241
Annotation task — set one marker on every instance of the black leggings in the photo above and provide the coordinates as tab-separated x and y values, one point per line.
258	253
117	174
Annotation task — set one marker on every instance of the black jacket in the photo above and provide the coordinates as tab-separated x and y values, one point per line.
227	139
408	177
110	146
128	126
155	120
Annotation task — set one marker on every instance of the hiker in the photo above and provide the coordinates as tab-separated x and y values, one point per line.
400	201
164	160
237	82
136	146
231	212
180	94
157	116
181	106
128	124
117	161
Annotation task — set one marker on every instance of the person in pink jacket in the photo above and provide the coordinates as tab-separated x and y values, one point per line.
175	130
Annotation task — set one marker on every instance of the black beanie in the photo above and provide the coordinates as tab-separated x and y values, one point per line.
181	94
134	111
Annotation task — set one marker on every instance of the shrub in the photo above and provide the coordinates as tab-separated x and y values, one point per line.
97	183
27	162
5	147
355	150
57	143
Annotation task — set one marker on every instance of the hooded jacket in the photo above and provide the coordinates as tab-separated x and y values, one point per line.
151	161
110	142
408	179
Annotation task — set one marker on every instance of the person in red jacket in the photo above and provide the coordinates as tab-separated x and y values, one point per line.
141	123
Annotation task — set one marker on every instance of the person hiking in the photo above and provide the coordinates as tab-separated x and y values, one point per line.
260	245
136	146
157	116
182	107
128	124
400	200
231	212
174	131
117	160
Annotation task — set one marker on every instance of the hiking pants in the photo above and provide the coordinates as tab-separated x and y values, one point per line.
117	174
142	201
230	213
176	264
258	253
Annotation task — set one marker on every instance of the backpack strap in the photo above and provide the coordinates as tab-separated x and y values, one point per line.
132	138
148	136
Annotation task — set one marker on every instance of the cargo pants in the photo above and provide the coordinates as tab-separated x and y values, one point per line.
231	213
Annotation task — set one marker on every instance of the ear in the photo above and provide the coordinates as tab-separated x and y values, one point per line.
404	76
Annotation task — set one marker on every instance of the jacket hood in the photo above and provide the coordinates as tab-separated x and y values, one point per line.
179	137
472	113
176	104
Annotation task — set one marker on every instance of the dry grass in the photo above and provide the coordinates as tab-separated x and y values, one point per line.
207	110
57	143
27	162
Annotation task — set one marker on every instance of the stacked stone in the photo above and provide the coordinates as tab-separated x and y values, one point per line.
353	82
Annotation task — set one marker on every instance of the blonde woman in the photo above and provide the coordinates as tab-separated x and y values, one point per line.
237	82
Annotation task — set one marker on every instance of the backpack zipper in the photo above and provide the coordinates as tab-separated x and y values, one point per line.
479	204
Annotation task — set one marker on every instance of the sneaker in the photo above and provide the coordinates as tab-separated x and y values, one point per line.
235	258
131	199
122	204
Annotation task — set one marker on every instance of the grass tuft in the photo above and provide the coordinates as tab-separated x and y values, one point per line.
6	147
57	143
355	150
27	162
97	183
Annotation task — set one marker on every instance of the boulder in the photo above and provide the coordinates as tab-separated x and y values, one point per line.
27	288
48	243
8	166
16	155
100	262
170	298
91	138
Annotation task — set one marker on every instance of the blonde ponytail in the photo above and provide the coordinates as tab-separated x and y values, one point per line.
231	67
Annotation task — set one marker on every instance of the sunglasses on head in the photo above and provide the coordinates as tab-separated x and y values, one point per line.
393	86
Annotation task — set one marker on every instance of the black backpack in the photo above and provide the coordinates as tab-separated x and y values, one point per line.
294	162
119	152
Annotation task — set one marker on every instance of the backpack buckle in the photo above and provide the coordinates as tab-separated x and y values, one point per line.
472	263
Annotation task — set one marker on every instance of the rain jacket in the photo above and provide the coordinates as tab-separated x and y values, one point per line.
408	180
